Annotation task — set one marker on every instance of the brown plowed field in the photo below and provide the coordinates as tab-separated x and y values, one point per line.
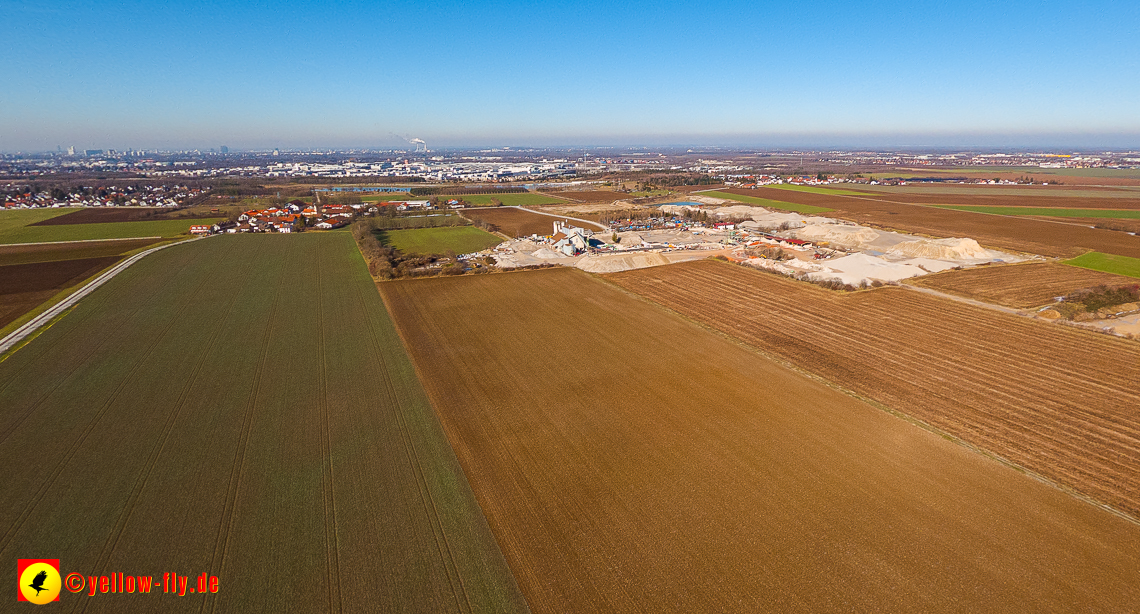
1059	401
1011	201
630	461
24	253
592	196
513	222
1001	232
119	214
24	286
1019	285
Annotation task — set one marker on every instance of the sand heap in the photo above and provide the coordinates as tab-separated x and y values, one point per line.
613	263
859	267
941	249
675	209
738	211
546	253
630	239
840	235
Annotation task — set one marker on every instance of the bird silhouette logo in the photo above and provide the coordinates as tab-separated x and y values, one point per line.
39	580
38	584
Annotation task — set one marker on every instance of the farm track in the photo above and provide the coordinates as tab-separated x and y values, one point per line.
191	425
628	460
1057	401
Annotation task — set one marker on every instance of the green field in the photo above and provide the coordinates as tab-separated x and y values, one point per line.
771	204
242	406
814	189
1108	263
91	232
1131	214
459	239
514	199
11	219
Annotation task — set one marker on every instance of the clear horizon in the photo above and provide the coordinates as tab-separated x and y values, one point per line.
734	74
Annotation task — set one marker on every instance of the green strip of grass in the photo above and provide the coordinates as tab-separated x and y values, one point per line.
1108	263
90	232
815	190
11	219
1131	214
771	204
460	239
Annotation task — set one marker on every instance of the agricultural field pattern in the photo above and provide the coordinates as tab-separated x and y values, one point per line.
656	427
221	387
1055	400
629	460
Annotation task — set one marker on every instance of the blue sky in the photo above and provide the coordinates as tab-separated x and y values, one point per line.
316	74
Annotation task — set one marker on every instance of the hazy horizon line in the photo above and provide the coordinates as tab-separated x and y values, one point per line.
966	142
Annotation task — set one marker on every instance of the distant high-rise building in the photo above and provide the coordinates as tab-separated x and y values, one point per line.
225	149
92	152
276	152
71	150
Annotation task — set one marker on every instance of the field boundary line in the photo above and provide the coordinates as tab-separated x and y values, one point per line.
233	489
873	403
967	301
565	217
38	321
82	241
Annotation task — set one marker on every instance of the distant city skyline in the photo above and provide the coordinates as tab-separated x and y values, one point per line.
745	74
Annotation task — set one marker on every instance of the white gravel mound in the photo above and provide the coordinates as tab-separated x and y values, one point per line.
743	211
546	253
842	235
858	267
675	209
941	249
630	239
613	263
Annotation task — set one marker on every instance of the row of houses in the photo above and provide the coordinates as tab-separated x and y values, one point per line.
111	196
